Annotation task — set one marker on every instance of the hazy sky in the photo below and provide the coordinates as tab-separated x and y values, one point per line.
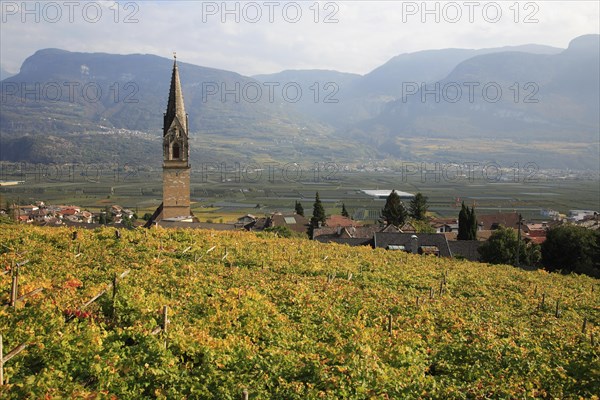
270	36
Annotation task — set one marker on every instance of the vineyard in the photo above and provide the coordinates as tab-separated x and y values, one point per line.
230	315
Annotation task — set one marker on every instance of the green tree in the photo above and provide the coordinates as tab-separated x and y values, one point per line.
500	248
127	222
472	224
147	216
418	207
281	231
318	217
344	211
394	212
299	209
422	226
467	223
105	217
572	248
463	222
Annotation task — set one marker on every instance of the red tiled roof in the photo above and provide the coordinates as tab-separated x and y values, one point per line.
69	211
508	220
338	220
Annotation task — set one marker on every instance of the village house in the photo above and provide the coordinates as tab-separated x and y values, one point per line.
333	233
245	220
442	225
295	222
28	209
421	243
580	215
258	224
466	249
492	222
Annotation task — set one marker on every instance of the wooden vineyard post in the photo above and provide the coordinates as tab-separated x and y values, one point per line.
1	362
584	325
6	357
165	318
114	295
14	289
164	326
245	394
557	310
390	324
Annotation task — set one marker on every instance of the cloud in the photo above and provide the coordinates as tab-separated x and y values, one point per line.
361	35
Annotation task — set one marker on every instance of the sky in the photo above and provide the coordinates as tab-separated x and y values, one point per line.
270	36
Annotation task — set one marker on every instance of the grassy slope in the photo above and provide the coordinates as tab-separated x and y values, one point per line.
266	318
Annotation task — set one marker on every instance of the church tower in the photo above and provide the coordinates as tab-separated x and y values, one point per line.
176	151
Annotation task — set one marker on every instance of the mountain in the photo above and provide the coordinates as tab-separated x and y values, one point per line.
356	98
537	96
70	95
426	66
129	91
96	106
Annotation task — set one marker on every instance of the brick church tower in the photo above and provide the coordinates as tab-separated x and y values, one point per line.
176	151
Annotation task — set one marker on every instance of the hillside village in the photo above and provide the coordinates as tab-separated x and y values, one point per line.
438	236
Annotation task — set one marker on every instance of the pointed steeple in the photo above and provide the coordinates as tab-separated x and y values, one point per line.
175	108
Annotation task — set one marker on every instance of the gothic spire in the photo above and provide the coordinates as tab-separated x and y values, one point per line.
175	108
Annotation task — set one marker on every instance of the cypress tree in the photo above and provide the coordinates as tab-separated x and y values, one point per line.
473	225
463	222
394	212
418	207
318	216
467	223
344	211
299	209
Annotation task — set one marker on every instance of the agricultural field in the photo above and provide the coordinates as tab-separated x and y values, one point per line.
237	193
203	314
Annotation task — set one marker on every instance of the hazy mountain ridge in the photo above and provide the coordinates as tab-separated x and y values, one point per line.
543	97
130	92
338	114
133	91
364	97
